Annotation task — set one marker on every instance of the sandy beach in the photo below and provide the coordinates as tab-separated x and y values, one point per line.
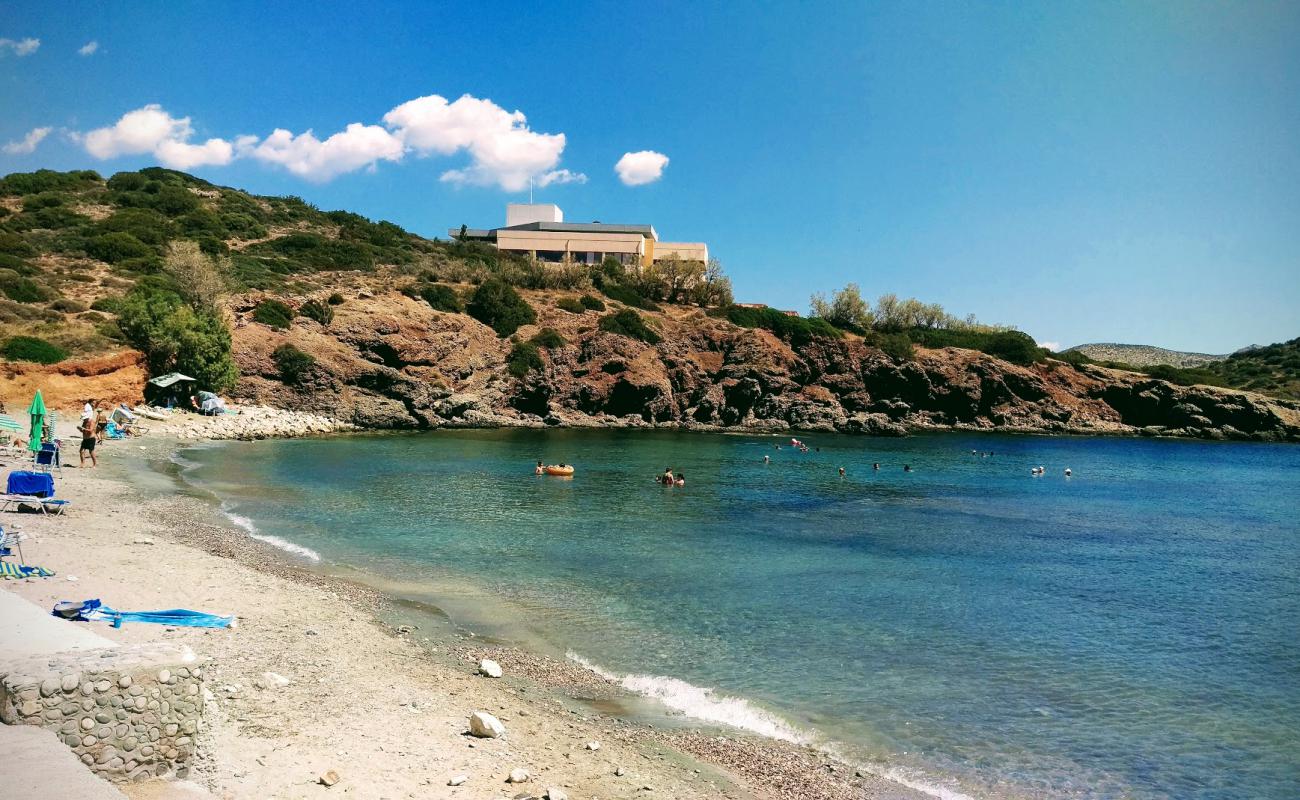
384	706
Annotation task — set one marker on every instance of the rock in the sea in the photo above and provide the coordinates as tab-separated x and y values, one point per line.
485	726
517	776
489	668
555	793
458	780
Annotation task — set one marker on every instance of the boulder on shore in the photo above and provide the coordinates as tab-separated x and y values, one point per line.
485	726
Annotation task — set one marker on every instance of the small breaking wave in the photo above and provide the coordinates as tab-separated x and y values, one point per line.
275	541
701	703
705	704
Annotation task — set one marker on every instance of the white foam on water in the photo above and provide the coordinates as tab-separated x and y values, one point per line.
702	703
705	704
275	541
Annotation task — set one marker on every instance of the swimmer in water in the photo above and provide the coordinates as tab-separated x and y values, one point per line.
841	472
876	466
1068	473
767	459
681	479
907	468
539	469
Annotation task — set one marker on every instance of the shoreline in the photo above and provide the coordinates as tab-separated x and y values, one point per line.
694	760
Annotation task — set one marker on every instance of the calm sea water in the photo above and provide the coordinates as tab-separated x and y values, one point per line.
1132	631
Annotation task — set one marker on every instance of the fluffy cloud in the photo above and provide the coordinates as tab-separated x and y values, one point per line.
308	157
503	150
19	47
28	143
1053	346
153	130
641	167
88	49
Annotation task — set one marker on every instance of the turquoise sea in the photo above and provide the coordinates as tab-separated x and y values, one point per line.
1130	631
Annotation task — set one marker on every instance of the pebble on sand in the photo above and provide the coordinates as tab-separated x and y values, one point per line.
328	778
485	726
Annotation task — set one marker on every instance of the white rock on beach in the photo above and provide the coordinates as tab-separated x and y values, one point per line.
271	680
593	745
555	793
517	776
489	668
485	726
458	780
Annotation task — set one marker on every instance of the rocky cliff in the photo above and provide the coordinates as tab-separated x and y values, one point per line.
390	361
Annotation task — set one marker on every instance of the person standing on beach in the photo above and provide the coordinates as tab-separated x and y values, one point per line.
88	440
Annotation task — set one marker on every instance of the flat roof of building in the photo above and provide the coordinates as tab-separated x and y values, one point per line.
583	227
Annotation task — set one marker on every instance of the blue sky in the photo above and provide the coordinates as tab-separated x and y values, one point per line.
1085	171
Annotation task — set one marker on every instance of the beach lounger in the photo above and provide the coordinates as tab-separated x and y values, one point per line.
47	460
48	505
9	539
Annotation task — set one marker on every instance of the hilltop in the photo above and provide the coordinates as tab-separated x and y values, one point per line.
275	301
1143	355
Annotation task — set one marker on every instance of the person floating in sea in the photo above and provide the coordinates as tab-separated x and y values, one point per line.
681	479
767	459
841	472
876	466
907	468
667	478
1068	473
540	469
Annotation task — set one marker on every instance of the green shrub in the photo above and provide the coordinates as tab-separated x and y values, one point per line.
118	246
548	338
68	306
315	309
498	305
22	290
110	304
35	202
796	330
14	245
30	348
292	363
570	304
274	314
592	302
17	265
1013	346
175	201
337	299
47	180
628	296
524	358
144	224
896	345
176	338
148	265
127	182
442	298
629	323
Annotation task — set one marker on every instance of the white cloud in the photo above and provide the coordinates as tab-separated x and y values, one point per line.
89	48
641	167
308	157
28	143
1053	346
19	47
153	130
503	150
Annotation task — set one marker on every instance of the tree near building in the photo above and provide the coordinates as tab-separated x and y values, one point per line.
846	310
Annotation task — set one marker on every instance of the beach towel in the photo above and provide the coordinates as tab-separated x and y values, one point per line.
95	611
19	571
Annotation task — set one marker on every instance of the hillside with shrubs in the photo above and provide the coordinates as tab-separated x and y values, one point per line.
270	299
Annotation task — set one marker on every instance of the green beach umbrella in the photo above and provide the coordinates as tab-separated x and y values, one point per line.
38	421
8	423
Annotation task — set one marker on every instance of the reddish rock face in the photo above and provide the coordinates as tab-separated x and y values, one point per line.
391	361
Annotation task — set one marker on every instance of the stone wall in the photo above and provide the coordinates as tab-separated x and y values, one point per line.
129	712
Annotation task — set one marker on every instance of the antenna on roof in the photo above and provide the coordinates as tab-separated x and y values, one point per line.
530	191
